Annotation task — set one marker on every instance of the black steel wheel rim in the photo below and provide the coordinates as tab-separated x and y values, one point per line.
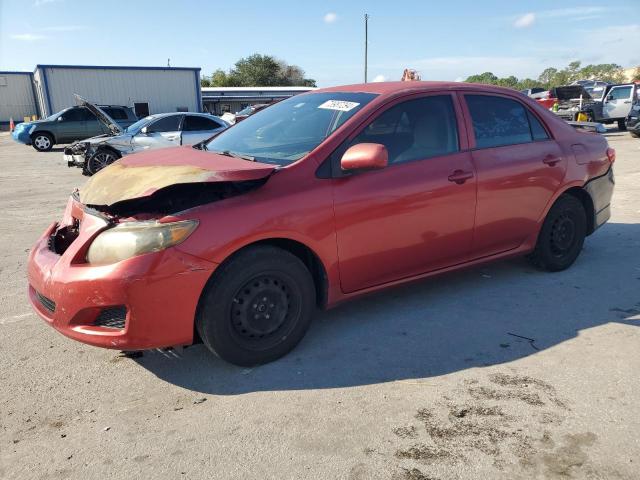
563	235
264	311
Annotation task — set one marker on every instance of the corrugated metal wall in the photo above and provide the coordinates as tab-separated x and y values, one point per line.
165	90
16	96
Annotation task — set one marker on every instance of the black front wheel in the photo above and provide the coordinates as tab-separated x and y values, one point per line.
257	307
99	160
562	235
622	126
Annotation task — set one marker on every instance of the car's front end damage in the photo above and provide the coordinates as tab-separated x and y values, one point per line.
79	153
117	140
115	272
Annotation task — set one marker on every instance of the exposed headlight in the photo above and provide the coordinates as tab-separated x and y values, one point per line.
33	127
135	238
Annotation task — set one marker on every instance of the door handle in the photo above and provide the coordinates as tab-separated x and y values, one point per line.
551	160
460	176
627	101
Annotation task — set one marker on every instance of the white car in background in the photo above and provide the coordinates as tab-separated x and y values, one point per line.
155	131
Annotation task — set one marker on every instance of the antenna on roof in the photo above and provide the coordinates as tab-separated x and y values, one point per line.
168	62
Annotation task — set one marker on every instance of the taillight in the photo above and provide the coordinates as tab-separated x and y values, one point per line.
611	154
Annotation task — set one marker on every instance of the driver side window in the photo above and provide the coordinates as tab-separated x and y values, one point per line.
414	130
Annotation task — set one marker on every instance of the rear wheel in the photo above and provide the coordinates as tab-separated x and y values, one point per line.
102	158
621	125
258	307
42	142
562	235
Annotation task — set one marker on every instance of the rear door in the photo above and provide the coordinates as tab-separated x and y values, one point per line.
197	128
617	103
519	168
416	215
163	133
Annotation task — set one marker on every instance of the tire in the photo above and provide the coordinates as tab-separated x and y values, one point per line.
634	134
562	235
102	158
42	141
621	125
257	307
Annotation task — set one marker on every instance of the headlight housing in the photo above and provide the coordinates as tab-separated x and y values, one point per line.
129	239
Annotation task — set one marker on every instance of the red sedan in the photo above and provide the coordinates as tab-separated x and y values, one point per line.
320	198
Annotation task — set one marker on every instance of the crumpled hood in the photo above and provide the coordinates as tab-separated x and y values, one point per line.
142	174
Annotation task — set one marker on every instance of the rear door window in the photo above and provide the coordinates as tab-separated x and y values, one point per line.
196	123
115	113
499	121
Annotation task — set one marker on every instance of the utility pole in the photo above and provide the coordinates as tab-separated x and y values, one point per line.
366	44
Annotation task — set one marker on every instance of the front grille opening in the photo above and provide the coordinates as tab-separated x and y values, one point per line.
63	237
112	317
47	303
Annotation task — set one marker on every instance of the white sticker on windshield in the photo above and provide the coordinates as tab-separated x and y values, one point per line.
340	105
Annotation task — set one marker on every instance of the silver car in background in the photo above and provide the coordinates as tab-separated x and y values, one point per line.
155	131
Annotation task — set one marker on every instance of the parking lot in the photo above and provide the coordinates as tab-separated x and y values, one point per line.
501	371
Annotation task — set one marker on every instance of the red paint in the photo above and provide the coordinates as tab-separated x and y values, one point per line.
369	230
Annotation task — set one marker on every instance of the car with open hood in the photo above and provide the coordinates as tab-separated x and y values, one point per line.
152	132
320	198
71	124
616	103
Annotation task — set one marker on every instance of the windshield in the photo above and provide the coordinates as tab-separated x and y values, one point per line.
287	131
56	115
134	127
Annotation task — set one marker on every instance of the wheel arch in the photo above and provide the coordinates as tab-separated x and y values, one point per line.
48	132
587	203
305	253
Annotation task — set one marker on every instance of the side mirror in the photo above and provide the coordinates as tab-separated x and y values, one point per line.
144	130
365	156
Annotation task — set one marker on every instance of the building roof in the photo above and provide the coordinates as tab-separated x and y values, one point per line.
115	67
257	89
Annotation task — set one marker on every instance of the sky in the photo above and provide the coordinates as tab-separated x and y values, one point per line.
442	40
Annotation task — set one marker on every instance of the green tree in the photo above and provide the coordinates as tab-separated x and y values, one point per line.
260	71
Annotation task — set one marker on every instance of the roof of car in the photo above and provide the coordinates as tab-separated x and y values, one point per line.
386	88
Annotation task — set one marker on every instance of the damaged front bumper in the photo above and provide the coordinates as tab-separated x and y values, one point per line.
76	154
146	301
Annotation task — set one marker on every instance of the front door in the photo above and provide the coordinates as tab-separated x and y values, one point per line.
72	125
163	133
417	214
519	168
617	103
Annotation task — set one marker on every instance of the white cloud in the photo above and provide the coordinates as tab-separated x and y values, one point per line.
525	20
39	3
27	37
66	28
574	14
330	17
379	78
